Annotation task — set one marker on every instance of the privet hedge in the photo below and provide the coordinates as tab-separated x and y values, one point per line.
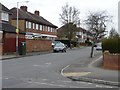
111	44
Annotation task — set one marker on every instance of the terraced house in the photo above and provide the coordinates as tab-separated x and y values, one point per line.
36	27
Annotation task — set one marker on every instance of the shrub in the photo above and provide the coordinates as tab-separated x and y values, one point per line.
112	45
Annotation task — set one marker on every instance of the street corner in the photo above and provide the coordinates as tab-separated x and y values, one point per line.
75	74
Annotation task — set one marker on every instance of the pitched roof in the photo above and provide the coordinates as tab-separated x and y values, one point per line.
64	27
3	8
30	17
6	27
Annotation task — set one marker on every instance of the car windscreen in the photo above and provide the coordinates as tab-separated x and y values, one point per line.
59	45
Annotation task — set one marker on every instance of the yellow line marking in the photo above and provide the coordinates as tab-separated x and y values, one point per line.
76	73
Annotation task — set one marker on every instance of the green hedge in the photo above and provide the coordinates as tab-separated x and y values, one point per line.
112	45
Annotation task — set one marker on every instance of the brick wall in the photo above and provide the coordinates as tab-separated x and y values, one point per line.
1	47
111	61
9	42
21	24
38	45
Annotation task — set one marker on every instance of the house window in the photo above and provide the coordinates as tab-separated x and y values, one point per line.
5	16
36	26
51	29
26	24
33	25
48	29
41	27
29	25
44	28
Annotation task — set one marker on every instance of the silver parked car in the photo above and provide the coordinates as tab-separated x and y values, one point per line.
59	47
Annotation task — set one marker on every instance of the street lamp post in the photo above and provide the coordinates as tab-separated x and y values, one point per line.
17	32
17	29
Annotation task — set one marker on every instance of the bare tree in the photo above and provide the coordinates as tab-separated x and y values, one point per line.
113	33
97	22
69	14
70	18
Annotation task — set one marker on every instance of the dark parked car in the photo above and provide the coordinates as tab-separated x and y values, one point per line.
59	47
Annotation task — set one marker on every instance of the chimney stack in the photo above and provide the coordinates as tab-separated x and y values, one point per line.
37	13
24	8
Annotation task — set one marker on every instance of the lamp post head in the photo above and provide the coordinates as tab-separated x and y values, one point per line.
27	1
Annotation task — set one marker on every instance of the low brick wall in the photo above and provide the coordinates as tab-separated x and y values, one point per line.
38	45
1	49
9	42
111	61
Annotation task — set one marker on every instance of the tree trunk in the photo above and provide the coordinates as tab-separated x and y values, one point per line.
70	45
92	50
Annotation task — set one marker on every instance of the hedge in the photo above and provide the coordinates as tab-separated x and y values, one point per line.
112	45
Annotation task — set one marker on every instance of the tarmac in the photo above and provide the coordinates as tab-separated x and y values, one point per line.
91	71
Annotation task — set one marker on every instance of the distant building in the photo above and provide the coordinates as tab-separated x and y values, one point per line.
81	34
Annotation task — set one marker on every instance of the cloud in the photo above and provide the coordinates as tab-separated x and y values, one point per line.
50	9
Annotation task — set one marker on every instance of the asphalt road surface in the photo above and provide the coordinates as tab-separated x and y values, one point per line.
44	71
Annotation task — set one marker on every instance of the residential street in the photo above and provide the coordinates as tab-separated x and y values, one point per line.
44	71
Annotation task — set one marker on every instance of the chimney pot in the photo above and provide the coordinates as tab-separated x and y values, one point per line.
37	13
24	8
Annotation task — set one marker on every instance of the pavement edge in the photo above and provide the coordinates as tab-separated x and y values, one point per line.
90	79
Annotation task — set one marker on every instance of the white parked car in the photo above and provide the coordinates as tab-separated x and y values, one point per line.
99	46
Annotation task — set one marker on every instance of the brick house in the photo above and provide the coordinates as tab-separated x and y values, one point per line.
36	27
8	32
81	34
33	23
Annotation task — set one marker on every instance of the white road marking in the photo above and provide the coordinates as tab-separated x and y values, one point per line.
90	65
43	65
81	82
45	79
109	87
5	78
66	81
48	63
76	73
48	84
61	85
62	71
90	83
52	82
74	87
99	86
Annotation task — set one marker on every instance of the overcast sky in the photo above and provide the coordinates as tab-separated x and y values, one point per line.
50	9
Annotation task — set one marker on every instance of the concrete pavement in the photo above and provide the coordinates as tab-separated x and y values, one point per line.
11	56
93	73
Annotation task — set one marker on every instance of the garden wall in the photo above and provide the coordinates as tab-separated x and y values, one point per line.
38	45
111	61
